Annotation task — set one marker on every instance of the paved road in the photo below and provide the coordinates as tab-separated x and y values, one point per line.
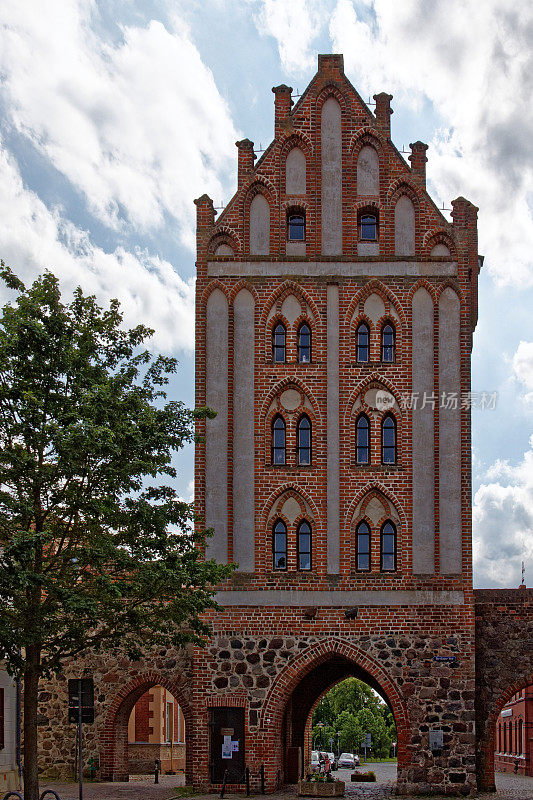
509	787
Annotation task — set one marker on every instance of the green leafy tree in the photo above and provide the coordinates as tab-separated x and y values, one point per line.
353	709
351	733
374	724
95	549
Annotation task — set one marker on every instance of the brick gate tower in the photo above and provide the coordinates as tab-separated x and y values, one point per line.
335	310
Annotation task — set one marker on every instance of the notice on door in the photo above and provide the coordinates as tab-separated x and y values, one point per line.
227	750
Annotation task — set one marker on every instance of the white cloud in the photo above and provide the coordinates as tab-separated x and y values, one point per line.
473	61
33	238
137	126
295	24
503	524
523	367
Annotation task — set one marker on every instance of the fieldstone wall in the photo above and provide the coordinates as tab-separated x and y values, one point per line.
504	664
276	668
277	676
118	684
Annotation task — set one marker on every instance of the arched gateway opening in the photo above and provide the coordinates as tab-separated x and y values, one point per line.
506	741
299	688
117	756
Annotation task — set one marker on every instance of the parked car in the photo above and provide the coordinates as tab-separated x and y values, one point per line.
317	763
333	761
347	761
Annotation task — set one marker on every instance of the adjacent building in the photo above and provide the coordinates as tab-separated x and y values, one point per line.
9	732
513	744
156	730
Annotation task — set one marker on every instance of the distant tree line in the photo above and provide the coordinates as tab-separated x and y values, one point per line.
352	710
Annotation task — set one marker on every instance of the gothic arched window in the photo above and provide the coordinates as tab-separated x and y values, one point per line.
363	342
362	440
304	343
278	440
303	438
362	547
388	343
304	545
388	547
388	440
279	545
279	343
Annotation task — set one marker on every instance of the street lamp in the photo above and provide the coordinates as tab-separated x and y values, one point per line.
338	743
319	732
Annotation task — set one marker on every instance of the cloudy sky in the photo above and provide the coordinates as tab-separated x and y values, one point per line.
116	114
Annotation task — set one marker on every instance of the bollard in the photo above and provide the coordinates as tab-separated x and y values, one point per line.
224	783
156	770
262	771
13	794
247	779
47	792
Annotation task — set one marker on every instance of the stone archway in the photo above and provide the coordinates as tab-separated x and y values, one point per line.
114	734
504	665
309	676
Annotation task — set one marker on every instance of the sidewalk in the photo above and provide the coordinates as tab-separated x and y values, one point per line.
509	787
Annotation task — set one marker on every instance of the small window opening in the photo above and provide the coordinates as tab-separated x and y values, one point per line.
296	228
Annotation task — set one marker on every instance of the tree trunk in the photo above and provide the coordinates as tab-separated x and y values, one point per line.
31	693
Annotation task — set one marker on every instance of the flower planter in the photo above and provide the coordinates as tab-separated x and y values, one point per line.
363	777
321	789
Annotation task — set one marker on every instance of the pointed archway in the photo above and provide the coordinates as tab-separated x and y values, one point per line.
308	677
114	735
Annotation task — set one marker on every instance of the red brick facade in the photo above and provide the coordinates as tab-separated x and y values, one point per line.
412	631
513	741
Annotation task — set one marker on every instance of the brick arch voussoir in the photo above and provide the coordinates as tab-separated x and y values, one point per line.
369	489
435	236
327	91
259	185
210	288
498	703
374	378
422	283
282	291
294	139
298	492
318	653
243	284
357	319
370	202
375	286
120	708
402	186
363	137
450	283
223	234
295	202
286	383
